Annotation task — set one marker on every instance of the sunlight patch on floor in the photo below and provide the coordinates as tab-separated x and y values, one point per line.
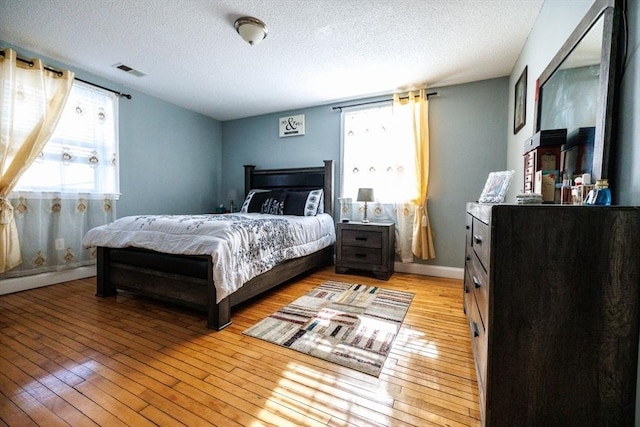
413	342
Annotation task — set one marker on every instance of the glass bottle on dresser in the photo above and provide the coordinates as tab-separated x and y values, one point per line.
600	195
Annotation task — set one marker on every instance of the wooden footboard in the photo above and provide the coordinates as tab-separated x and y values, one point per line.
188	280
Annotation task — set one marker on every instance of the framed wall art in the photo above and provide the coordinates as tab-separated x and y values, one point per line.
291	125
520	102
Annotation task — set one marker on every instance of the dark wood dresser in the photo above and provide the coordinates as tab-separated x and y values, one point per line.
551	294
367	247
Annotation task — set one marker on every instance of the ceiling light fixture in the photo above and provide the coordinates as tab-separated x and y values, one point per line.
252	30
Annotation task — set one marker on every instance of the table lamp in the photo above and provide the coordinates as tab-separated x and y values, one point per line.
365	195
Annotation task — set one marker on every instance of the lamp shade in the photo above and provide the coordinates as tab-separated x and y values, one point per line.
252	30
365	195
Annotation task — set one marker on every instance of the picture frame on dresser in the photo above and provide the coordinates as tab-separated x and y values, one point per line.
495	189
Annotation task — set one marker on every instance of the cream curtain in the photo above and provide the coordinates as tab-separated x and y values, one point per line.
413	110
31	102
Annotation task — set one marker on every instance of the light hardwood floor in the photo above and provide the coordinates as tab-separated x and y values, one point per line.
68	357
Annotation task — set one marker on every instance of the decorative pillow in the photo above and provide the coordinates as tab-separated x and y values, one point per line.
254	200
273	206
304	203
321	203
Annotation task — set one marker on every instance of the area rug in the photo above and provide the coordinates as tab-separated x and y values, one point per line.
349	324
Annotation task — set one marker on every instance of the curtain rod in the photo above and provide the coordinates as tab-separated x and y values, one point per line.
59	73
340	107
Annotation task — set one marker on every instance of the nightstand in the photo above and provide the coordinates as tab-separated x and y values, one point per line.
367	247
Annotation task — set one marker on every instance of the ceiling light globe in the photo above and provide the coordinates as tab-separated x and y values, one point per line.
252	30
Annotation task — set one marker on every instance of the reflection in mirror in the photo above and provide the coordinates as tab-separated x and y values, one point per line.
571	98
577	91
571	94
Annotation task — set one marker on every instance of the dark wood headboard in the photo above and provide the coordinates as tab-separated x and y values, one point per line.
294	178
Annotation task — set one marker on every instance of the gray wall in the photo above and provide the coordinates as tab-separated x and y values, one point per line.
169	157
468	141
255	141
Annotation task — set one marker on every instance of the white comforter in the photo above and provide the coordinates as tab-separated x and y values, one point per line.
241	246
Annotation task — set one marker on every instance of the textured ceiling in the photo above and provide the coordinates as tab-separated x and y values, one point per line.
317	51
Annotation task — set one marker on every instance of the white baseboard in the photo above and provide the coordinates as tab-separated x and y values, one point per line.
429	270
17	284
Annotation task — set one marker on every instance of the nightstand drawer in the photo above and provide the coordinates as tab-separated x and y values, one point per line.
361	255
362	239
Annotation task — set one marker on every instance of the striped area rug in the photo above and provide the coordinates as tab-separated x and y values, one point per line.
349	324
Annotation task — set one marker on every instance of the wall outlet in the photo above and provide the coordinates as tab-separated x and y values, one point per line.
59	244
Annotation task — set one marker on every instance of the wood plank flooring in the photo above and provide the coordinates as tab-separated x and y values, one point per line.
157	364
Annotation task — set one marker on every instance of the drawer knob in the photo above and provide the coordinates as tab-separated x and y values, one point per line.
476	332
468	258
467	227
466	289
477	282
477	239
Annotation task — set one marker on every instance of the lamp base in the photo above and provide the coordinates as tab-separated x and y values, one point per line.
365	219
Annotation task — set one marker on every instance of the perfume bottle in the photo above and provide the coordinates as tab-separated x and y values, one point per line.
600	195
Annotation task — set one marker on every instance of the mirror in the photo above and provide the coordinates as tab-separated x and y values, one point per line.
576	92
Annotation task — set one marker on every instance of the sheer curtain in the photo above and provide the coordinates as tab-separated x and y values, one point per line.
32	100
71	187
384	149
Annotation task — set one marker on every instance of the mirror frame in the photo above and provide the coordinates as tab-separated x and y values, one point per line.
609	64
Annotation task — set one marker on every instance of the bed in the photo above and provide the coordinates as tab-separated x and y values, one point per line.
188	280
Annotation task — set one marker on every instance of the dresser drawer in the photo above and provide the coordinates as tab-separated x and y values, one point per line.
468	294
481	242
361	255
479	343
467	226
361	238
479	283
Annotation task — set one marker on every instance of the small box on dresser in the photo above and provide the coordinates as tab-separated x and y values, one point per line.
367	247
551	295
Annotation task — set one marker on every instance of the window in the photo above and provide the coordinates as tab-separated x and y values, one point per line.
82	154
378	153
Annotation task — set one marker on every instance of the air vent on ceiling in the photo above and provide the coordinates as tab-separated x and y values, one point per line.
129	70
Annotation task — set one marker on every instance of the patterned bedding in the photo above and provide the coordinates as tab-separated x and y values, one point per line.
241	246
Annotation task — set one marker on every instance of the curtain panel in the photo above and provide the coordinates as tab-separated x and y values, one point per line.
412	115
31	101
51	228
